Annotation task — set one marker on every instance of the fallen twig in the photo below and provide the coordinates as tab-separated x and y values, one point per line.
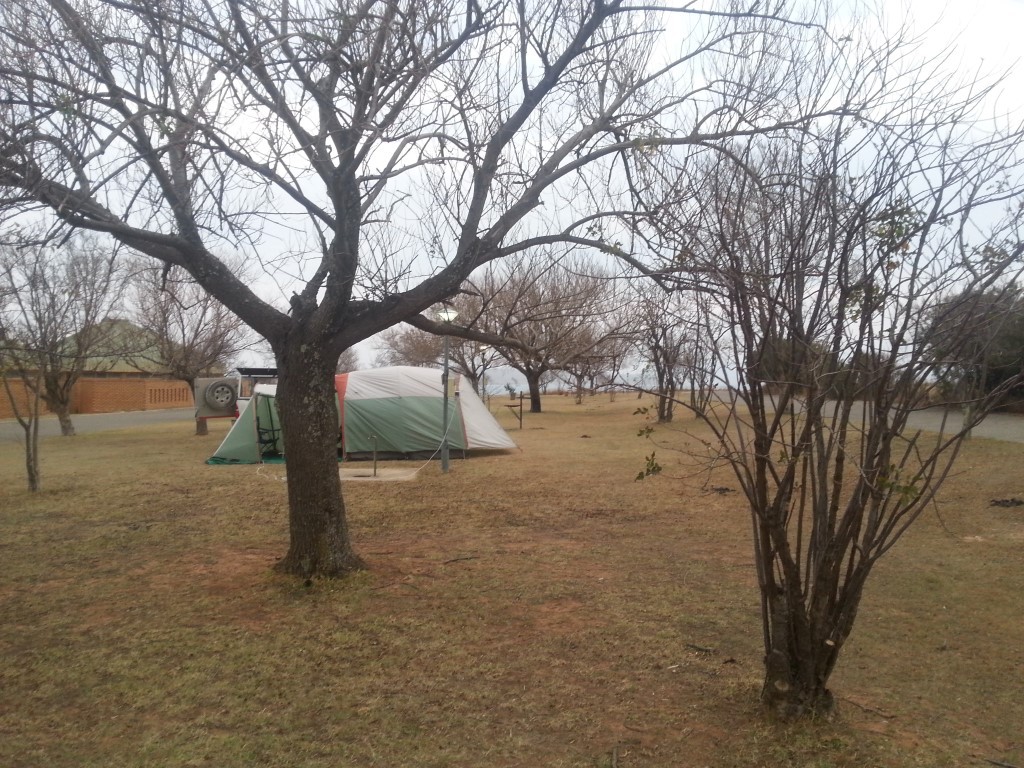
872	710
700	649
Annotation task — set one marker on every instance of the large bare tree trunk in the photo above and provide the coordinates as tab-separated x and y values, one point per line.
32	456
666	403
533	383
309	418
579	389
56	399
665	370
202	428
67	428
796	667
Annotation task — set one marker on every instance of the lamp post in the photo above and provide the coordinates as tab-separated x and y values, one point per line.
484	352
445	315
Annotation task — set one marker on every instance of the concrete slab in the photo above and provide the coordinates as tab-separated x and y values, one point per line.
383	475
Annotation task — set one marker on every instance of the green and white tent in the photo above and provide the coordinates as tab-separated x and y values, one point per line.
396	412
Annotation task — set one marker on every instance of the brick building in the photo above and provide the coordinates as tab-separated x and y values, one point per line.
112	383
106	394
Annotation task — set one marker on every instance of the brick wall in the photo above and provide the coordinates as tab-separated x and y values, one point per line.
130	394
164	393
21	399
111	394
106	395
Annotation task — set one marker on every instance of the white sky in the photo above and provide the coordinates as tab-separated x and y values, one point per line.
987	33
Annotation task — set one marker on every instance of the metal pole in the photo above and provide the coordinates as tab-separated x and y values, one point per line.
444	412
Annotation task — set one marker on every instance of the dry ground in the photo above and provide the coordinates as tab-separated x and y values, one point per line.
536	609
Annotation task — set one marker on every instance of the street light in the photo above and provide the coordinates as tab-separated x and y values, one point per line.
445	315
484	351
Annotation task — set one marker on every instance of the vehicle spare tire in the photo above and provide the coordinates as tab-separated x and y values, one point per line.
220	395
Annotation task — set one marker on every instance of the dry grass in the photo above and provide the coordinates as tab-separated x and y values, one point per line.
537	609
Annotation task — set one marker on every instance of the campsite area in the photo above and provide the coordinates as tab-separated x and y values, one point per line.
538	608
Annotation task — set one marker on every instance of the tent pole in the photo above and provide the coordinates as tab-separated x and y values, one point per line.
444	411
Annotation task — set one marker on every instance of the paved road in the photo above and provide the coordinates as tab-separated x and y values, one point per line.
11	431
998	426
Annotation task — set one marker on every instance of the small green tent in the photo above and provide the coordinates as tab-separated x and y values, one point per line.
256	434
394	412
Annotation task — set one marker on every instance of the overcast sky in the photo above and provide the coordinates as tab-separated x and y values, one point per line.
987	32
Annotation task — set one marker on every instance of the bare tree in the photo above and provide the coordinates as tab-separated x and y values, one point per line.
370	158
545	314
829	256
26	411
26	414
666	341
409	345
574	322
348	361
184	331
60	305
617	351
606	342
406	345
